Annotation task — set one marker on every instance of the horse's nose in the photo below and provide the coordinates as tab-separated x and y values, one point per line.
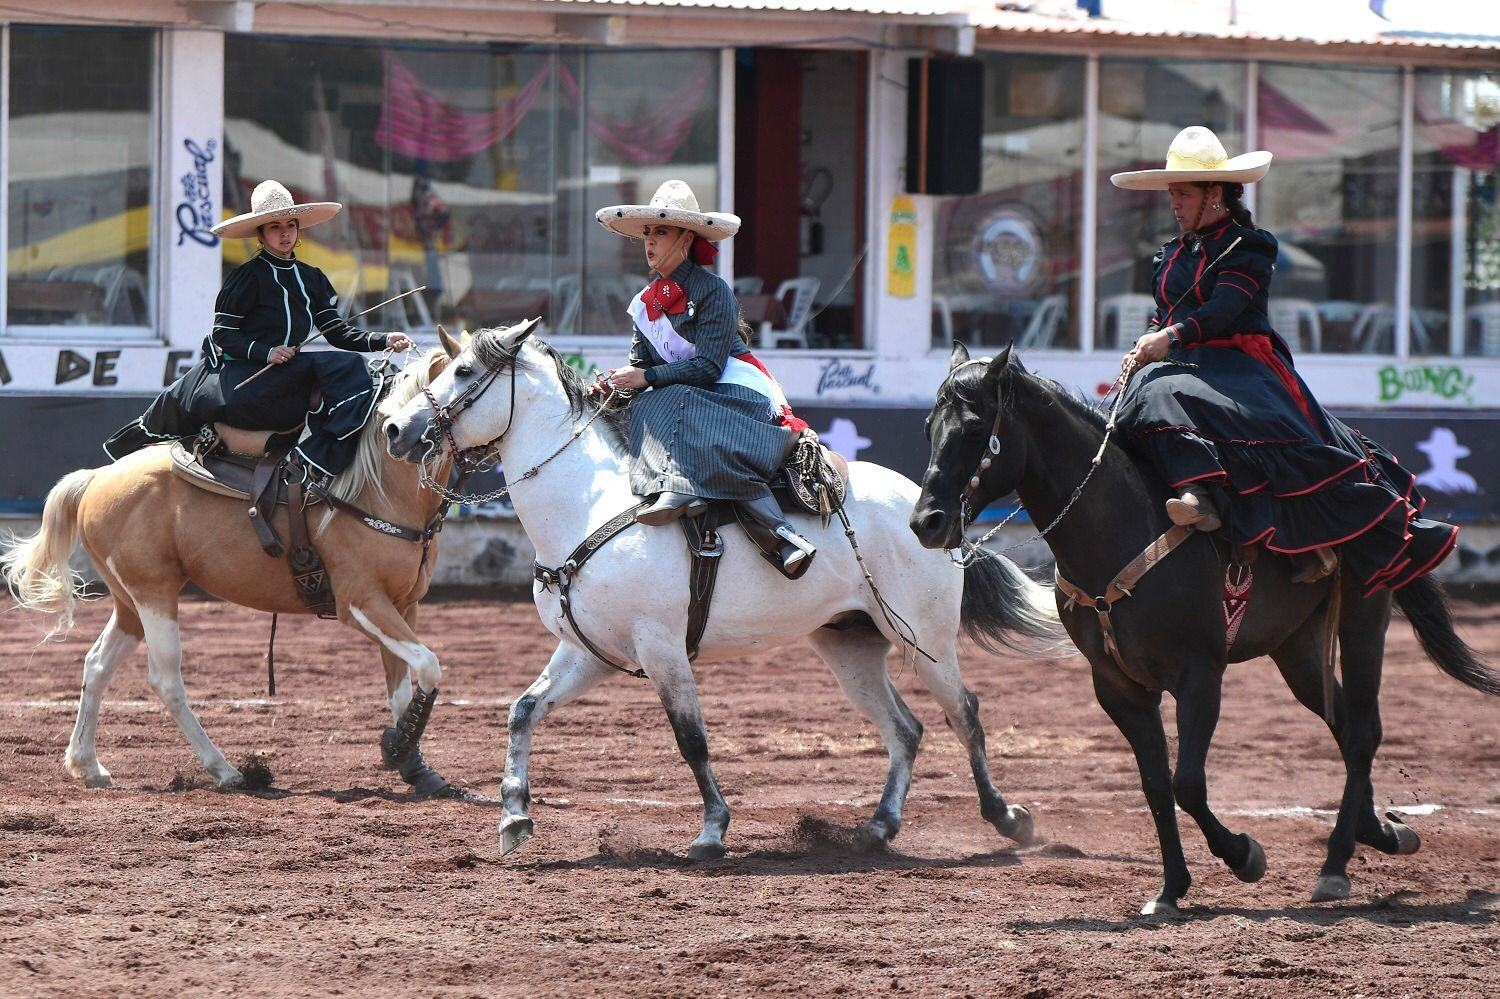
929	525
391	431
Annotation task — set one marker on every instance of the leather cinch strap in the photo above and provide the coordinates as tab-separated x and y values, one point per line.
1121	586
562	577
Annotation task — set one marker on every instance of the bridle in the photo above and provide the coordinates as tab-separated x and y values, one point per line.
973	550
470	460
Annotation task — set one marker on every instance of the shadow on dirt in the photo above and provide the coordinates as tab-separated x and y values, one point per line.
1477	908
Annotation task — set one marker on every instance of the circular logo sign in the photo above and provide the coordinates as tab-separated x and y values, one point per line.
1008	250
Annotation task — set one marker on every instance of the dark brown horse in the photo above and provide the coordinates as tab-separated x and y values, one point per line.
1171	629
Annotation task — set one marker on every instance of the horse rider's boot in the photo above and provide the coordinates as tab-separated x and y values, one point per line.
1194	509
779	542
1322	567
669	506
313	480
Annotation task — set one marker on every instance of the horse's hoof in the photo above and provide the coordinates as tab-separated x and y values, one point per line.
1331	888
1254	867
514	830
1160	907
711	850
235	781
1022	828
104	780
871	838
1407	840
428	783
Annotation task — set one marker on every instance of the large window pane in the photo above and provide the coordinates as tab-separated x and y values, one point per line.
474	171
1455	287
1006	260
1142	106
1331	200
80	177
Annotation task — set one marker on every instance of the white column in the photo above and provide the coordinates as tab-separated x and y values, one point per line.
726	156
190	191
1252	122
1458	225
1088	250
895	327
1403	218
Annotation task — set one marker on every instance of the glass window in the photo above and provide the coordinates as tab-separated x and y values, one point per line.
79	210
473	171
1142	106
1455	285
1331	200
1005	261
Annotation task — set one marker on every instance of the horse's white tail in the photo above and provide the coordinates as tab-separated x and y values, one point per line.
36	567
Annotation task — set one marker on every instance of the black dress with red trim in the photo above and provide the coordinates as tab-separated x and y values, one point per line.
1226	409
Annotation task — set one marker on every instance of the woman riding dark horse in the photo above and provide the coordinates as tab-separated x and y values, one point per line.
1218	406
269	306
708	421
1157	601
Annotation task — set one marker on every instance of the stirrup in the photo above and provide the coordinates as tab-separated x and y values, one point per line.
1325	565
796	553
1193	509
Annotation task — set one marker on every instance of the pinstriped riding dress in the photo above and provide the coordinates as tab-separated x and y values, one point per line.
691	433
269	302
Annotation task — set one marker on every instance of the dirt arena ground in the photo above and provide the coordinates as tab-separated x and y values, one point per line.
340	887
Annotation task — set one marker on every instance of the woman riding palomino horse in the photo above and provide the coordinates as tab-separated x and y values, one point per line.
708	421
269	306
995	428
148	532
1221	412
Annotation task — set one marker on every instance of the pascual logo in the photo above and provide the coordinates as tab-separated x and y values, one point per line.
195	212
1446	381
838	375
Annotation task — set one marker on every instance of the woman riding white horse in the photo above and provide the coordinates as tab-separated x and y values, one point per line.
514	395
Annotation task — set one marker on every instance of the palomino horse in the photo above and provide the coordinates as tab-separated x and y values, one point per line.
1171	629
515	395
148	533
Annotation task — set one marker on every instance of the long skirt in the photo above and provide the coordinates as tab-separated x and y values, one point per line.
277	401
1289	476
718	442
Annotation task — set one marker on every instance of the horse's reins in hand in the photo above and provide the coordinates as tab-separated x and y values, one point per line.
304	343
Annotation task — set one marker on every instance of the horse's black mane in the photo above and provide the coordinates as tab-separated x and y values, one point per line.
490	353
967	388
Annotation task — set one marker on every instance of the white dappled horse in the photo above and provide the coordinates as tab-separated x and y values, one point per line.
514	393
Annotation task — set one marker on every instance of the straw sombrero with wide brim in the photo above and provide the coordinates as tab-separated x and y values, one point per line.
672	204
1197	156
270	201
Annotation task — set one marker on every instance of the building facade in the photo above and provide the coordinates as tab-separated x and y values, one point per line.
471	140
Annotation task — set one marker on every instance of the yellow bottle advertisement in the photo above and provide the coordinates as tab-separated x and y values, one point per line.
901	276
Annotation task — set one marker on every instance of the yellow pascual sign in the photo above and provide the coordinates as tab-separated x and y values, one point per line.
901	279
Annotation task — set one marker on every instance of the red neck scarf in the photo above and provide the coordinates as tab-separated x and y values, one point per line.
664	296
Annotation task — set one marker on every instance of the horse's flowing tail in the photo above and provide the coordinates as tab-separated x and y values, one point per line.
1002	604
1426	606
36	567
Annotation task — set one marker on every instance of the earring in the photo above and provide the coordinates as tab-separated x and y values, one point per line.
1215	206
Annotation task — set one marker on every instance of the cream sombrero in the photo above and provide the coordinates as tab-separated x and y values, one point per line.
672	204
1198	156
270	200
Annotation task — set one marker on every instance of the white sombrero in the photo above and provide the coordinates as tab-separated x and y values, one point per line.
672	204
270	200
1197	156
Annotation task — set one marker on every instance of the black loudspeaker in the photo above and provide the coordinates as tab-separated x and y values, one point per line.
955	100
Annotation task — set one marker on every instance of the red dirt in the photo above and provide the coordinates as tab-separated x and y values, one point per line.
338	889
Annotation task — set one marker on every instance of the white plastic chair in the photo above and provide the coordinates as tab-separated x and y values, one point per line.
1296	319
1486	316
1041	329
1375	331
803	290
1130	313
943	313
748	284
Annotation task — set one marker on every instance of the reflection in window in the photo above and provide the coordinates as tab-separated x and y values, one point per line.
474	171
1006	260
80	177
1142	107
1331	200
1455	287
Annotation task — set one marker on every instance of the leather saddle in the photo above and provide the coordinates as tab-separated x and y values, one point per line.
252	465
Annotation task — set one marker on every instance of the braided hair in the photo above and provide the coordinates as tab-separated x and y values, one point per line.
1233	195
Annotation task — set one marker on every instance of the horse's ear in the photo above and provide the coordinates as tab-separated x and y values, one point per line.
512	338
450	345
996	369
959	356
